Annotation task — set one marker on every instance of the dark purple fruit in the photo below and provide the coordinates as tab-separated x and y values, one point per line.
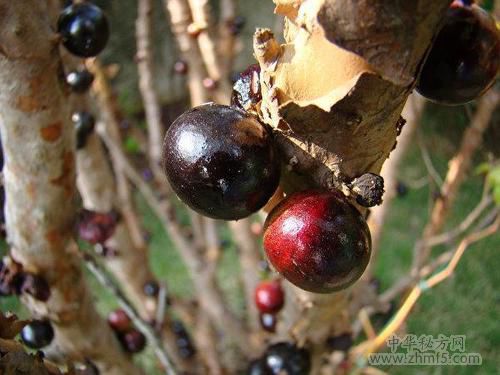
286	358
220	161
96	227
185	347
258	367
84	124
80	80
151	288
269	296
246	89
132	341
37	334
268	322
317	241
84	29
465	57
119	321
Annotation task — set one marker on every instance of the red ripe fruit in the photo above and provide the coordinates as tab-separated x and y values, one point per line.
269	297
465	57
119	321
317	241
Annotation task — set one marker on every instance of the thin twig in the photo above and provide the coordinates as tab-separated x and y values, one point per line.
431	170
457	169
140	324
145	69
372	345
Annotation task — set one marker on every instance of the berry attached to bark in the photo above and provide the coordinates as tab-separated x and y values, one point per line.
37	334
317	241
464	60
119	321
84	29
95	227
286	358
80	80
269	297
132	341
84	124
220	161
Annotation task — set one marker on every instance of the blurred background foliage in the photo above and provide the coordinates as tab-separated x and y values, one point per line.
467	304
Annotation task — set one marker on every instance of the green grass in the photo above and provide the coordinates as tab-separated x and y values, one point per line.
468	303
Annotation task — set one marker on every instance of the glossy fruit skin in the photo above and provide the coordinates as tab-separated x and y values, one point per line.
119	321
84	124
465	57
268	322
37	334
132	341
84	29
317	241
80	80
258	367
220	161
286	358
269	297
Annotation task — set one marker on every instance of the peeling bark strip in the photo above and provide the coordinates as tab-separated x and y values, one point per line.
38	142
333	94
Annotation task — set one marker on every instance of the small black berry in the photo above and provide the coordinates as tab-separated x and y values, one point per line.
37	334
287	358
151	288
84	124
258	367
268	322
80	80
84	29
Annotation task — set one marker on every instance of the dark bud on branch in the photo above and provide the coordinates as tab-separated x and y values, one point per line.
369	189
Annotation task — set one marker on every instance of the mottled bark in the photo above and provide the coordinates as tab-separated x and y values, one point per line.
38	142
333	94
97	189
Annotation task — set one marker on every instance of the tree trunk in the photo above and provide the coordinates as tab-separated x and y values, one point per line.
38	142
